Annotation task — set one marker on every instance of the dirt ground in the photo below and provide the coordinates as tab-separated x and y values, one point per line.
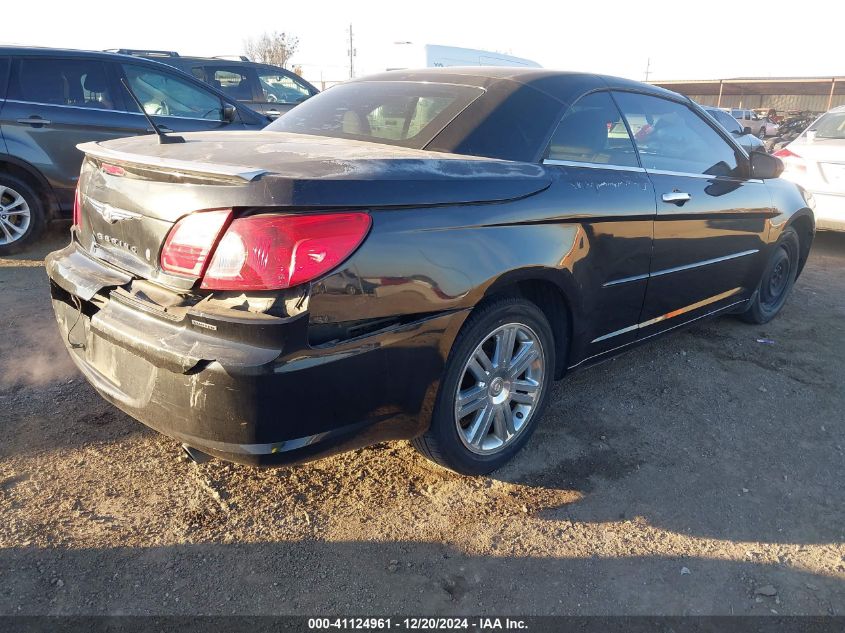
702	474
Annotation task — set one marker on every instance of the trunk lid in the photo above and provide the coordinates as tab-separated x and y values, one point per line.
133	190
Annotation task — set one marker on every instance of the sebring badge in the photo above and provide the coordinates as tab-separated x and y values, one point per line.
111	214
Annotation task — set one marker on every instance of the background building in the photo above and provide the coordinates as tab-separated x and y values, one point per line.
781	93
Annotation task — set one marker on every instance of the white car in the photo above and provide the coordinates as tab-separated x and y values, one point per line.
816	161
761	127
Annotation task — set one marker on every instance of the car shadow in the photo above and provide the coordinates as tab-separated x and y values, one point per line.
413	578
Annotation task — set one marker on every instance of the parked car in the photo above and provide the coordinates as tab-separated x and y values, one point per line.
264	88
412	255
51	100
816	161
748	141
760	126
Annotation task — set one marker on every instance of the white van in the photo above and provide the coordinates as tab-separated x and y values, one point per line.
409	55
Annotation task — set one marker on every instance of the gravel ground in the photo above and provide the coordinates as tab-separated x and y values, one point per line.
701	474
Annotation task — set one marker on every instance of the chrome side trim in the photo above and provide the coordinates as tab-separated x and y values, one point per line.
573	163
706	262
666	172
645	338
670	315
676	269
233	171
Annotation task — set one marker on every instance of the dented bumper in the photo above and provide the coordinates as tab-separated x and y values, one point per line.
243	387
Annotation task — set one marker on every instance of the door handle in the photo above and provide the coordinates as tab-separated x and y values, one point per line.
676	197
273	112
35	120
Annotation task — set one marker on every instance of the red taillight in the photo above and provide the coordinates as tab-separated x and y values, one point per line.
190	242
791	161
77	207
268	252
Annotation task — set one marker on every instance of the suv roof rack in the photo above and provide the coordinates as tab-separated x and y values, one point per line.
141	51
238	58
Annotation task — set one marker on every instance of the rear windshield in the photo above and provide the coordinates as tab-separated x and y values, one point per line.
831	125
403	113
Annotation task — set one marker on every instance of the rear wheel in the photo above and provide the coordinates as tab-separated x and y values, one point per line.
778	279
21	214
494	389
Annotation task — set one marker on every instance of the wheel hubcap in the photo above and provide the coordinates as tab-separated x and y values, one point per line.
14	215
499	388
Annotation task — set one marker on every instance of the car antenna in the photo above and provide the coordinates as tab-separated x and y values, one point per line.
162	137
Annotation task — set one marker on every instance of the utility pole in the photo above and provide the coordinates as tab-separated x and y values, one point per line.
351	55
647	68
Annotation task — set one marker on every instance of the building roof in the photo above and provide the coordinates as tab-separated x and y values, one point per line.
757	86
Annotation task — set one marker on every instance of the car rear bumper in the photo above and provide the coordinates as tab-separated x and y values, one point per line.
829	211
250	392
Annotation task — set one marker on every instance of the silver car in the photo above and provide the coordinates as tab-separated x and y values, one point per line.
749	142
816	161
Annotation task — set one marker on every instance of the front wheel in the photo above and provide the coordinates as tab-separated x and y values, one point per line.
778	278
494	389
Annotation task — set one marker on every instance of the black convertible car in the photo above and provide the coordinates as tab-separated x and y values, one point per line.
417	254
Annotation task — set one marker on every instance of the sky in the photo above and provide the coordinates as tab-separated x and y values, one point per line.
676	40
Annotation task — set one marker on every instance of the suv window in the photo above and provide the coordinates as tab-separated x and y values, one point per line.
68	82
165	94
281	87
234	82
592	131
672	137
4	75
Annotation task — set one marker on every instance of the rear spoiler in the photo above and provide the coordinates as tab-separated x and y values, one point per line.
246	174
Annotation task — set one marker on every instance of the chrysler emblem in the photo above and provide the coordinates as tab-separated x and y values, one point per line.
112	214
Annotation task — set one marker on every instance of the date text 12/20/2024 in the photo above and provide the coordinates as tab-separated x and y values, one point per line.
417	624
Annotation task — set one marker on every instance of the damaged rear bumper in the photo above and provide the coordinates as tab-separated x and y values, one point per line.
240	386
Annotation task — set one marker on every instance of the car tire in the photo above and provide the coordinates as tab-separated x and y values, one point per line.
512	388
22	215
778	278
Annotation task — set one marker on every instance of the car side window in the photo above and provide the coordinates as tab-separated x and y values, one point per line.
165	94
82	83
234	82
727	121
4	75
671	137
282	88
592	131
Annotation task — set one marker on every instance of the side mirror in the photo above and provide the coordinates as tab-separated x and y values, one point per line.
230	112
746	130
764	166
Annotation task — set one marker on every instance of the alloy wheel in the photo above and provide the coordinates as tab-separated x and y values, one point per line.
499	388
15	216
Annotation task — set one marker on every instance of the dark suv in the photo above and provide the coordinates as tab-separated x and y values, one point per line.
267	89
51	100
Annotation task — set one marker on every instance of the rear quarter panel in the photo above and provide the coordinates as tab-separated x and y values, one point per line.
418	261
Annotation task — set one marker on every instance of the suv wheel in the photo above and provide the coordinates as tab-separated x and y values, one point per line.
494	390
21	214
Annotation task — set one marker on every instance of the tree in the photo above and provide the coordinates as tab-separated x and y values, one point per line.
272	48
